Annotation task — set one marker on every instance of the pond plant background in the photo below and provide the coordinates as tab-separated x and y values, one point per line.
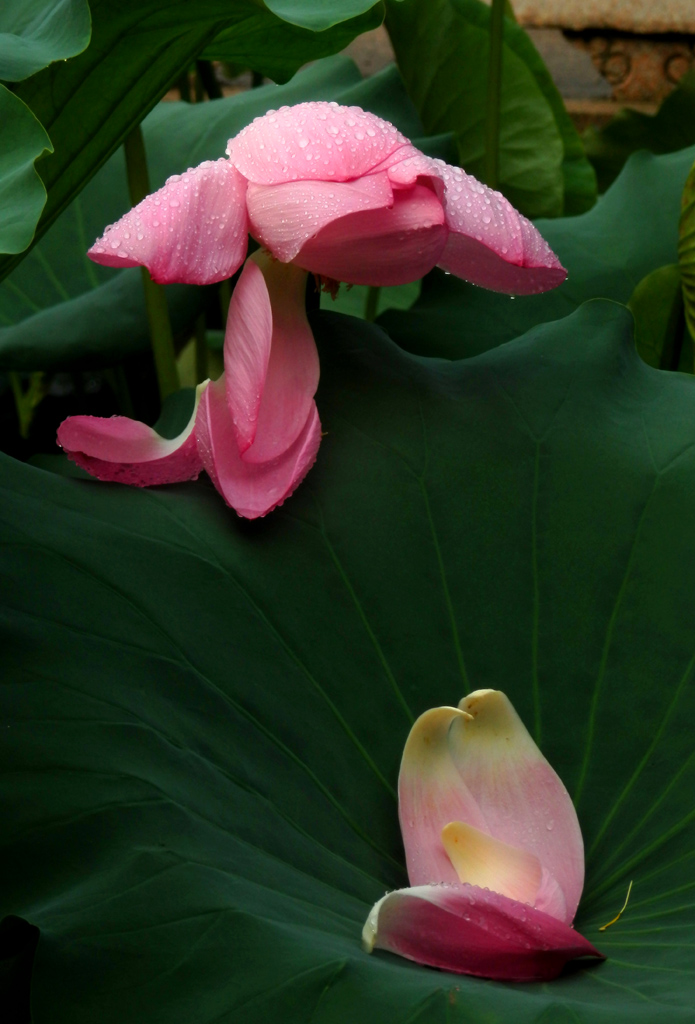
202	718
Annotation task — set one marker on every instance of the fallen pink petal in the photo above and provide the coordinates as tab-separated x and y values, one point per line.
493	848
325	189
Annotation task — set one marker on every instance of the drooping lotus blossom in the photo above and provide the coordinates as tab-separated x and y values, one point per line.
325	189
493	849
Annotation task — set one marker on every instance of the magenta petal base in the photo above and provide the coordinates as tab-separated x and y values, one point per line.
468	930
125	451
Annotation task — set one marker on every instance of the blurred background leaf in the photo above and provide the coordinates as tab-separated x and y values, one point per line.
442	51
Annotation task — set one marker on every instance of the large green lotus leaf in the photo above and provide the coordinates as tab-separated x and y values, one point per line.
670	129
203	717
442	50
34	33
58	309
607	251
90	103
22	195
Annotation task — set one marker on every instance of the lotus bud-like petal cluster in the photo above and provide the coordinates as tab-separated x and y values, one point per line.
493	849
331	190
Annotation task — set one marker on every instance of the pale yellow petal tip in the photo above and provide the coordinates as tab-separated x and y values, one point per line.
480	859
370	927
427	739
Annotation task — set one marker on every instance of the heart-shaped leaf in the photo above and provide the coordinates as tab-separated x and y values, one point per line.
203	718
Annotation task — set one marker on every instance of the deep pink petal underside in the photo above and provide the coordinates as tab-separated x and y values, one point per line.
193	230
283	217
315	140
470	930
382	247
252	489
490	244
128	452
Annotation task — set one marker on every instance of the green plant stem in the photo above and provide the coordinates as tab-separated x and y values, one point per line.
494	86
372	304
26	401
206	74
225	298
155	300
184	87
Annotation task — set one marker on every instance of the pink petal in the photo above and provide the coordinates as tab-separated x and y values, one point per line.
431	794
283	217
468	930
193	230
381	247
315	140
521	799
490	244
270	358
252	489
129	452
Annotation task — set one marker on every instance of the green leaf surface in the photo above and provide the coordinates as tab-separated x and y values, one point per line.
203	718
139	47
686	249
442	50
59	310
670	129
607	251
22	194
657	306
34	33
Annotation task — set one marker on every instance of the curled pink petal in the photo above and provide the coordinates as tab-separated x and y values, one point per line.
270	358
315	140
431	794
490	244
283	217
521	798
252	489
469	930
193	230
381	247
129	452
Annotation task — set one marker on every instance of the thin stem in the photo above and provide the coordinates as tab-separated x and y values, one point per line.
201	350
206	74
494	84
155	300
184	87
225	299
372	304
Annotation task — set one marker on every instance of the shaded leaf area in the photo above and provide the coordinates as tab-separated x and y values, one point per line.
22	194
686	249
18	941
34	33
660	328
268	45
442	50
89	104
59	310
206	716
670	129
607	251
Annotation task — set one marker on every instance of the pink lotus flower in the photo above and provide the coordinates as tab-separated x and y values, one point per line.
493	848
325	189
